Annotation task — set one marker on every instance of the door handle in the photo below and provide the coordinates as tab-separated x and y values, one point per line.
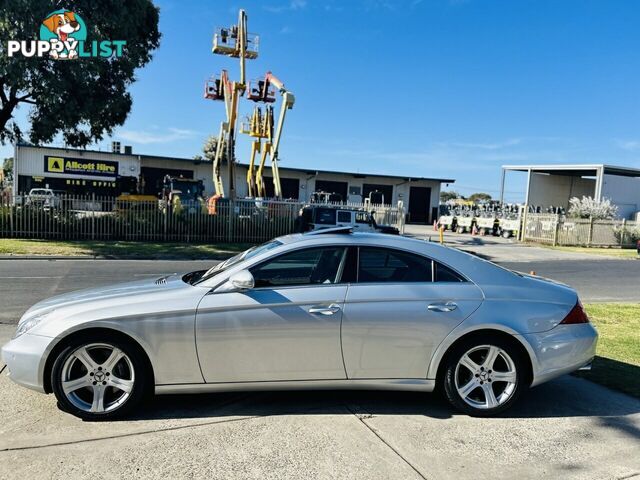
324	310
442	307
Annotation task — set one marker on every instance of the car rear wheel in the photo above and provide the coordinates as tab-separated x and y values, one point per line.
484	376
99	378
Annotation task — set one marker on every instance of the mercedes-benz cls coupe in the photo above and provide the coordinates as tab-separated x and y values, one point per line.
323	310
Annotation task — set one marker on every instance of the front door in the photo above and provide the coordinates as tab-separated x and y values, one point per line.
398	311
287	328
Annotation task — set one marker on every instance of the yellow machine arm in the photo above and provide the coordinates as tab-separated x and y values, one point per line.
264	94
236	42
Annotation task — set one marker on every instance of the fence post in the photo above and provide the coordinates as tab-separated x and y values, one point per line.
590	236
555	231
164	217
523	219
230	213
623	231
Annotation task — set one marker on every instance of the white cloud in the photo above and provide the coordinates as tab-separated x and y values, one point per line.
292	5
629	145
147	137
512	142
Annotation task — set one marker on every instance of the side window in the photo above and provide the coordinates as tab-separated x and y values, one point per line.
445	274
386	265
325	216
344	217
302	267
362	217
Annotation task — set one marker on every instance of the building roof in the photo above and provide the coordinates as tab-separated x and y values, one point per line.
583	170
308	171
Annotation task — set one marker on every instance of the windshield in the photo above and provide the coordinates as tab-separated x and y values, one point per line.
246	255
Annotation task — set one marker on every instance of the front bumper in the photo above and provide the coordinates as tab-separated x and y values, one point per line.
24	357
564	349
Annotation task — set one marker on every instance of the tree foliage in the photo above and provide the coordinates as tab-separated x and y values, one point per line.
587	207
81	99
445	195
480	197
7	169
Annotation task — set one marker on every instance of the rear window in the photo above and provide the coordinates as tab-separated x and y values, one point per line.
344	217
325	216
445	274
386	265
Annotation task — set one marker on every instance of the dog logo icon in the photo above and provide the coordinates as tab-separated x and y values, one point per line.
63	29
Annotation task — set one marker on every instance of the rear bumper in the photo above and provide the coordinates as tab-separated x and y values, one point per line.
564	349
24	357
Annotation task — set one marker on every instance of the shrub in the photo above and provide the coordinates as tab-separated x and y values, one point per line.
587	207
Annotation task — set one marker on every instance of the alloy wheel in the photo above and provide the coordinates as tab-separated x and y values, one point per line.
97	378
485	377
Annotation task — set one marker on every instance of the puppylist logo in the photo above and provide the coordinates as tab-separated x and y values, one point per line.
63	36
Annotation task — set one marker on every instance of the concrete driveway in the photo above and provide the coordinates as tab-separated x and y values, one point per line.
569	428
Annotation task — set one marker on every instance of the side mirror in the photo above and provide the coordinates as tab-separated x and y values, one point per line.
238	282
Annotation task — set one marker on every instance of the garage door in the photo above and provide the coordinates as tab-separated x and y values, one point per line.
419	204
386	190
332	187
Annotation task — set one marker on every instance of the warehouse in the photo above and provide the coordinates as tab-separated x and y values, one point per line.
77	171
553	185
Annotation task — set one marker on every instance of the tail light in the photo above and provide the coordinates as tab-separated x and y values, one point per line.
576	315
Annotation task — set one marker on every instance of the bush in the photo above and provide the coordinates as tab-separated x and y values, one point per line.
626	236
587	207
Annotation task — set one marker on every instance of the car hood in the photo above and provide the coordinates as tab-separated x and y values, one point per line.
114	296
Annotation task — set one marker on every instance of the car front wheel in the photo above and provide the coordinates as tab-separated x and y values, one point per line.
484	376
99	378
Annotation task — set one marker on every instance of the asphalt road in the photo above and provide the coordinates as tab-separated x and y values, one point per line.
25	282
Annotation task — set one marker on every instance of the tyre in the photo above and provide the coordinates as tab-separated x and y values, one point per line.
506	233
461	230
99	377
484	376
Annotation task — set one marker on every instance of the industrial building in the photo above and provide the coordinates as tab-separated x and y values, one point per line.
553	185
80	171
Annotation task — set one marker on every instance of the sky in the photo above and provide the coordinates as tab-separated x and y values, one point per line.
432	88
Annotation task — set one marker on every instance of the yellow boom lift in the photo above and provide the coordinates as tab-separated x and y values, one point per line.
237	43
261	126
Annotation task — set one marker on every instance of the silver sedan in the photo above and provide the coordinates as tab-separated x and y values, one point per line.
320	310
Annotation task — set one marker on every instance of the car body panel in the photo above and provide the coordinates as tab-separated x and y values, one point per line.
389	332
269	335
160	316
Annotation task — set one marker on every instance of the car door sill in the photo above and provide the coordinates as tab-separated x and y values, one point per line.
406	384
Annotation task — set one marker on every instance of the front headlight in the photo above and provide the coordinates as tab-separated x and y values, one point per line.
28	324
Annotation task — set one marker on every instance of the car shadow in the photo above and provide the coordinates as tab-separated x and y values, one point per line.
565	397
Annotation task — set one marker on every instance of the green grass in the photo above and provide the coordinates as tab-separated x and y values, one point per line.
120	249
624	253
617	364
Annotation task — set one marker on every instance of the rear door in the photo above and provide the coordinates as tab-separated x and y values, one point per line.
398	310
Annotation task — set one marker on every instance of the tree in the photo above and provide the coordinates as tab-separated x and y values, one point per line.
445	196
7	169
587	207
479	197
209	149
81	99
